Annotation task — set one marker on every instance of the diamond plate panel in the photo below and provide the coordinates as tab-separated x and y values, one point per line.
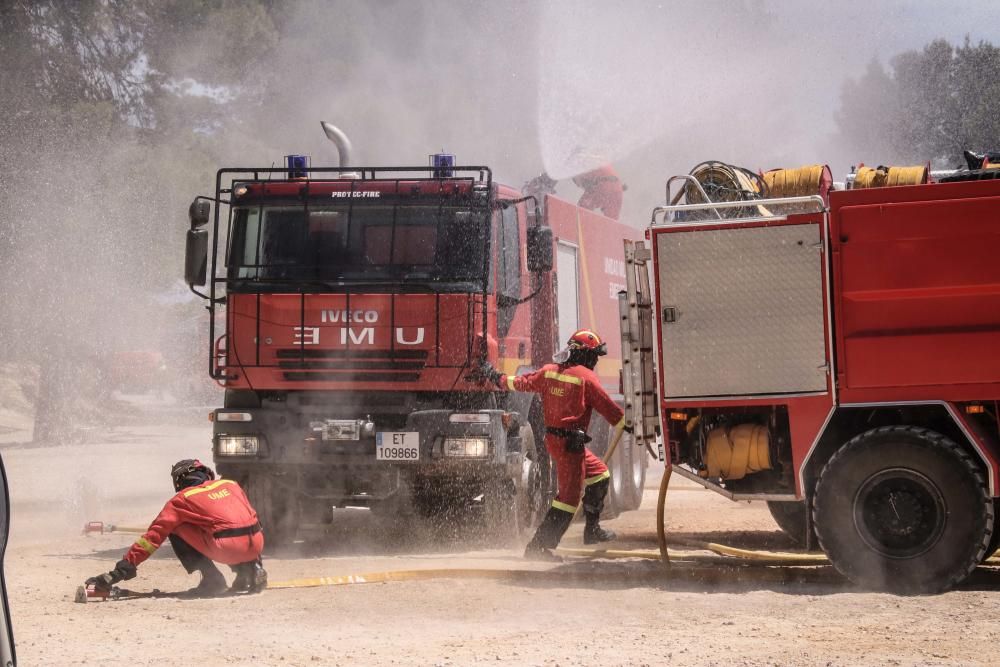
748	315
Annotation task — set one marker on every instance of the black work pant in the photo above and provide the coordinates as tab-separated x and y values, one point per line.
192	559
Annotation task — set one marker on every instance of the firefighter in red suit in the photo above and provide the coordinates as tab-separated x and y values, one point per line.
207	521
570	391
602	189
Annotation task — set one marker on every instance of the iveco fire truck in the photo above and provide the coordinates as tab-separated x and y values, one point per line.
356	303
834	353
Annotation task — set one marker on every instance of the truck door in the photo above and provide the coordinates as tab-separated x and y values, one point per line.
741	310
567	279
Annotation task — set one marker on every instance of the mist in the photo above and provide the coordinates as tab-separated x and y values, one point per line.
522	87
566	86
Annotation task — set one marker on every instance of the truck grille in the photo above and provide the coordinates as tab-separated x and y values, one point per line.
354	365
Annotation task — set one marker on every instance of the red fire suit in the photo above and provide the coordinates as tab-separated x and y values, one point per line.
569	395
601	190
202	516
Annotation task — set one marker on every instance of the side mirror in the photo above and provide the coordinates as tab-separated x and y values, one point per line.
540	241
198	213
196	257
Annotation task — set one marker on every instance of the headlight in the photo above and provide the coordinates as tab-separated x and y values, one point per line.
238	445
469	418
233	417
467	447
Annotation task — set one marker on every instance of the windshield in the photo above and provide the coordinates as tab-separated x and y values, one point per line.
360	242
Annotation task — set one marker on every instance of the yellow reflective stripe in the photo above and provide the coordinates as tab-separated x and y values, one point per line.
145	545
510	382
564	507
561	377
596	479
202	489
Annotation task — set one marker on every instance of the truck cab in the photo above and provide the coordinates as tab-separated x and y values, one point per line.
357	302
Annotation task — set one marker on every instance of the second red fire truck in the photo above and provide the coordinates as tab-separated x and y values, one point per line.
356	302
833	354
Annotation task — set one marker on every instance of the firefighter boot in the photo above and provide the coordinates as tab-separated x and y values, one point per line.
212	582
593	503
251	577
549	532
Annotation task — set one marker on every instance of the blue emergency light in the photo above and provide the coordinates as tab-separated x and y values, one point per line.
444	165
297	166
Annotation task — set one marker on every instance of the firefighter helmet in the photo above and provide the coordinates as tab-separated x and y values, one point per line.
582	345
190	472
588	340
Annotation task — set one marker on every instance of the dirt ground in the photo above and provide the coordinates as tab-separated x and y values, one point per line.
605	612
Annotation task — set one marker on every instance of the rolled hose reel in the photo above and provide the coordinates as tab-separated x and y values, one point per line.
733	452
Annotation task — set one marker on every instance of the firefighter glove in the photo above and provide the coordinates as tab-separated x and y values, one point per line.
103	582
485	372
123	570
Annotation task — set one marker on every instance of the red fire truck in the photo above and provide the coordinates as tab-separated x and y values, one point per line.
836	356
358	300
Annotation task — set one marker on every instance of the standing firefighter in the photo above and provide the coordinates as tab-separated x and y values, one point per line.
602	190
207	520
570	391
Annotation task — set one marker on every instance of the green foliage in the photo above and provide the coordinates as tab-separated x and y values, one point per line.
111	116
929	105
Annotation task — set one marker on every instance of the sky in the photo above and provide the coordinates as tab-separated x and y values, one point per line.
561	86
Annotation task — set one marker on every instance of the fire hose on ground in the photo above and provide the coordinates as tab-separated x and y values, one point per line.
701	567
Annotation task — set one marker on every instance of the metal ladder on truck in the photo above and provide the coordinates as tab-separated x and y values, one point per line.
635	306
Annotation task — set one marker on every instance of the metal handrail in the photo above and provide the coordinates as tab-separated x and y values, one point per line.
680	193
743	203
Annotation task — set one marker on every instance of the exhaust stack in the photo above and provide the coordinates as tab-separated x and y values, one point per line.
340	140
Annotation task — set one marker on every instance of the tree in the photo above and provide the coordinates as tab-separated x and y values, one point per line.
929	105
109	113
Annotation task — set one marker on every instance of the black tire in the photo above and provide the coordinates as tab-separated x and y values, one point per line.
903	509
995	539
514	508
533	490
791	518
277	509
635	461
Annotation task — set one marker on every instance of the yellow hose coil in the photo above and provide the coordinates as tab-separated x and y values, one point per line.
732	453
887	177
799	182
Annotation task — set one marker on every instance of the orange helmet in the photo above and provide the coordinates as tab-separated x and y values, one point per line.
588	340
582	341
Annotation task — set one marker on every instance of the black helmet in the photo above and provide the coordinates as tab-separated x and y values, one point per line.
190	472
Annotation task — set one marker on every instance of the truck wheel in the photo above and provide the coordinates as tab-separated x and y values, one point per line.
515	507
532	496
635	464
791	518
616	501
277	509
903	509
995	539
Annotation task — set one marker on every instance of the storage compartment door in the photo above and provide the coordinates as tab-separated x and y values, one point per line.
741	311
567	280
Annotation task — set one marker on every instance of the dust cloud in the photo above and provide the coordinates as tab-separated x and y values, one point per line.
520	86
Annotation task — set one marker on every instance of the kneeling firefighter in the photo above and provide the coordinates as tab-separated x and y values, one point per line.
206	521
570	391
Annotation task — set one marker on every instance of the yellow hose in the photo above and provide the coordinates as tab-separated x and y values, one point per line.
661	528
882	177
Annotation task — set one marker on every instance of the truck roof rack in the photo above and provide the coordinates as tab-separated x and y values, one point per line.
766	209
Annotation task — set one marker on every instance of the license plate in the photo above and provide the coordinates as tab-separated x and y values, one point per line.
397	446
